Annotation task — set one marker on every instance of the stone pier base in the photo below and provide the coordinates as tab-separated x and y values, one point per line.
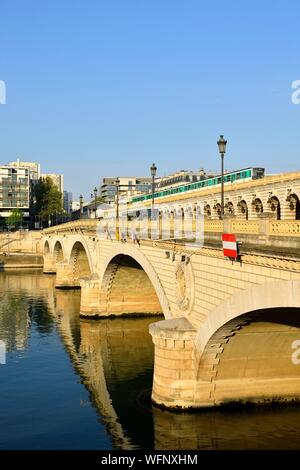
49	265
65	276
251	359
174	374
90	297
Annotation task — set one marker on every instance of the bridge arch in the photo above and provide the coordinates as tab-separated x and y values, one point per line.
80	262
293	206
271	295
125	270
242	209
275	206
58	252
46	249
207	211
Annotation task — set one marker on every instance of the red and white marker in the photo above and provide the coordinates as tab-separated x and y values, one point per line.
229	245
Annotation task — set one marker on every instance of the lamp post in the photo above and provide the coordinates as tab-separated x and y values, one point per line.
81	206
153	170
117	183
222	149
92	197
95	195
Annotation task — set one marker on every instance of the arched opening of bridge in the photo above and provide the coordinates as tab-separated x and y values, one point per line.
243	209
298	209
294	205
253	358
79	263
275	206
257	206
58	254
207	211
69	273
49	264
127	289
46	248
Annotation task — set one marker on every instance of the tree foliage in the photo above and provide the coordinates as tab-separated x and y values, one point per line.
15	218
48	199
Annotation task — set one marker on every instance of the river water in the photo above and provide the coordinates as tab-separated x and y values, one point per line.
77	384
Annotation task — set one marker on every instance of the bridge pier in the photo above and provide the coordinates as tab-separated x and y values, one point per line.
49	265
90	297
174	364
65	276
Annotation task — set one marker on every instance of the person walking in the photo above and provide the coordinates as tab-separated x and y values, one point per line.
134	236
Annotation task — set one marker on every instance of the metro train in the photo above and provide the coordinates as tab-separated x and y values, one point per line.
244	174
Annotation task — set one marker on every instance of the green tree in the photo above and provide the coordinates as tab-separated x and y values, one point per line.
15	218
48	199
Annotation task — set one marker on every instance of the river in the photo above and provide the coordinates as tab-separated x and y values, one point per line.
67	383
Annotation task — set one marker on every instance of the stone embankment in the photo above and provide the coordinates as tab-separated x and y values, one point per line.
21	250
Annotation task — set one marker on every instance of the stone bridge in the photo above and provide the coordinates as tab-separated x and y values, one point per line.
230	328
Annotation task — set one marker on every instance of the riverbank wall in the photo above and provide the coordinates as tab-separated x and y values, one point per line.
21	250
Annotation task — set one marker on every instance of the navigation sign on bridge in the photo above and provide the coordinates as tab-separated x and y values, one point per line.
230	246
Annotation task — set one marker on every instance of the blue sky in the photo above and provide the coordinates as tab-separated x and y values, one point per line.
105	87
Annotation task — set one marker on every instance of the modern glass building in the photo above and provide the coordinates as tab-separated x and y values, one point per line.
128	185
14	190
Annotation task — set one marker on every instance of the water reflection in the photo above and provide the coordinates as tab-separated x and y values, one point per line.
114	361
20	306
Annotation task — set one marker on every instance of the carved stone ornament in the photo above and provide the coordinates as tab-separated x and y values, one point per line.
184	287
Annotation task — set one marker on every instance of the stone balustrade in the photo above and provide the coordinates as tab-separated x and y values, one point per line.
278	228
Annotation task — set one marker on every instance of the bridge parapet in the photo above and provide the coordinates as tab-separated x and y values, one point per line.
271	227
84	224
285	228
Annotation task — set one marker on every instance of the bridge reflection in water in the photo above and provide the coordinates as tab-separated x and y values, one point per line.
114	360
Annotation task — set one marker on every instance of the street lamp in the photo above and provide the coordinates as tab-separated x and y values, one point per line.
95	192
153	170
117	183
95	195
81	205
222	150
